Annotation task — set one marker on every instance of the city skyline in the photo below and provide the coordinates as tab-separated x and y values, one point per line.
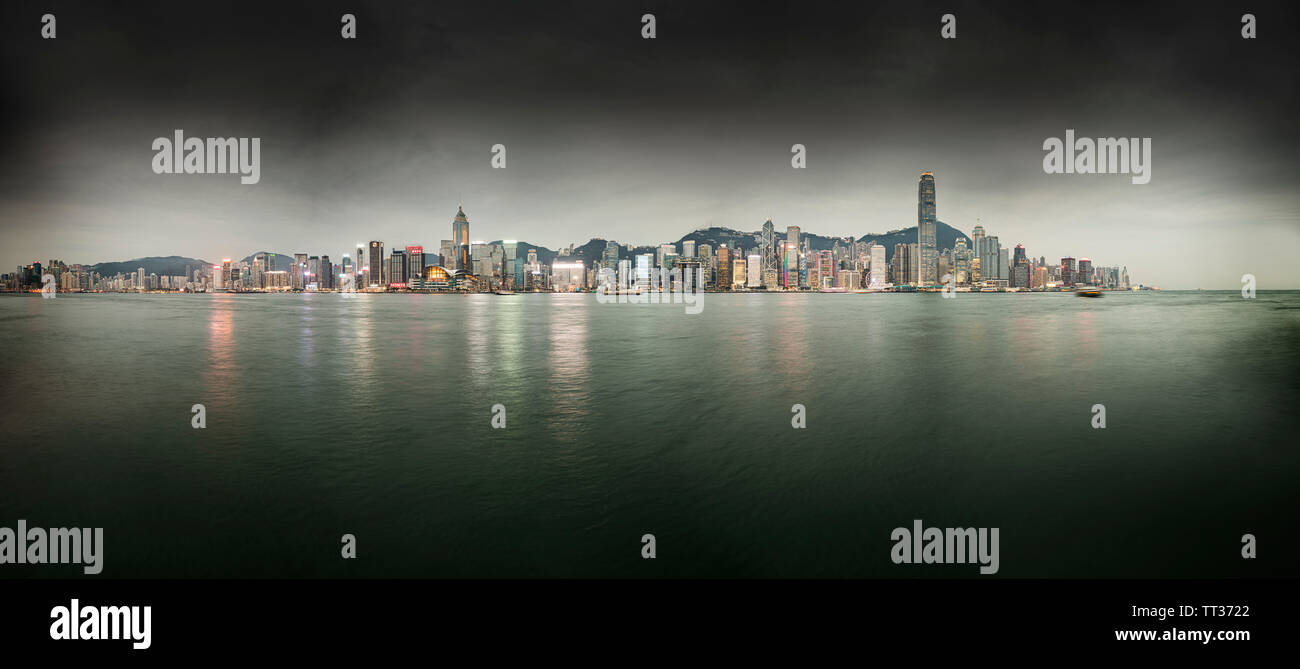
794	264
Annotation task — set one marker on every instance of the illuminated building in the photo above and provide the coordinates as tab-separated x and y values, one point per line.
877	266
927	267
724	268
568	277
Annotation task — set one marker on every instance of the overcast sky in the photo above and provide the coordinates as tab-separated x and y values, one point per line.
611	135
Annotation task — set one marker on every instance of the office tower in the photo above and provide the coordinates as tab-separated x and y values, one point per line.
878	266
1004	263
662	251
724	268
644	262
766	248
512	265
989	257
397	268
738	272
414	263
1084	275
1067	271
567	277
977	242
227	277
1021	270
926	218
792	235
296	271
325	280
347	271
610	257
1040	278
961	262
789	266
460	228
825	274
754	269
376	264
359	267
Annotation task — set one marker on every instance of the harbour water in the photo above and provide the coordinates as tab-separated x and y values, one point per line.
372	416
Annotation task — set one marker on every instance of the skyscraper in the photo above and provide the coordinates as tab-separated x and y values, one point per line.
1084	276
358	267
1067	271
724	268
766	239
299	269
925	230
460	239
376	264
397	268
877	266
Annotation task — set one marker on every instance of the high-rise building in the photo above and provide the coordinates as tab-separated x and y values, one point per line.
359	267
961	262
414	263
688	248
792	235
610	257
754	269
977	242
738	274
1067	271
662	252
644	262
460	240
724	267
227	276
877	266
298	270
376	264
926	218
766	246
397	268
1084	276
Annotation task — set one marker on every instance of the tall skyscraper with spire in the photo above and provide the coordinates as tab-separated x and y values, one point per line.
925	231
766	240
460	238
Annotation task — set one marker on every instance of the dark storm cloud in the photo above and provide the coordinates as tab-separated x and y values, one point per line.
643	140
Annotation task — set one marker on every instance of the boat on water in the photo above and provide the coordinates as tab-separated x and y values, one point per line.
1087	291
503	292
